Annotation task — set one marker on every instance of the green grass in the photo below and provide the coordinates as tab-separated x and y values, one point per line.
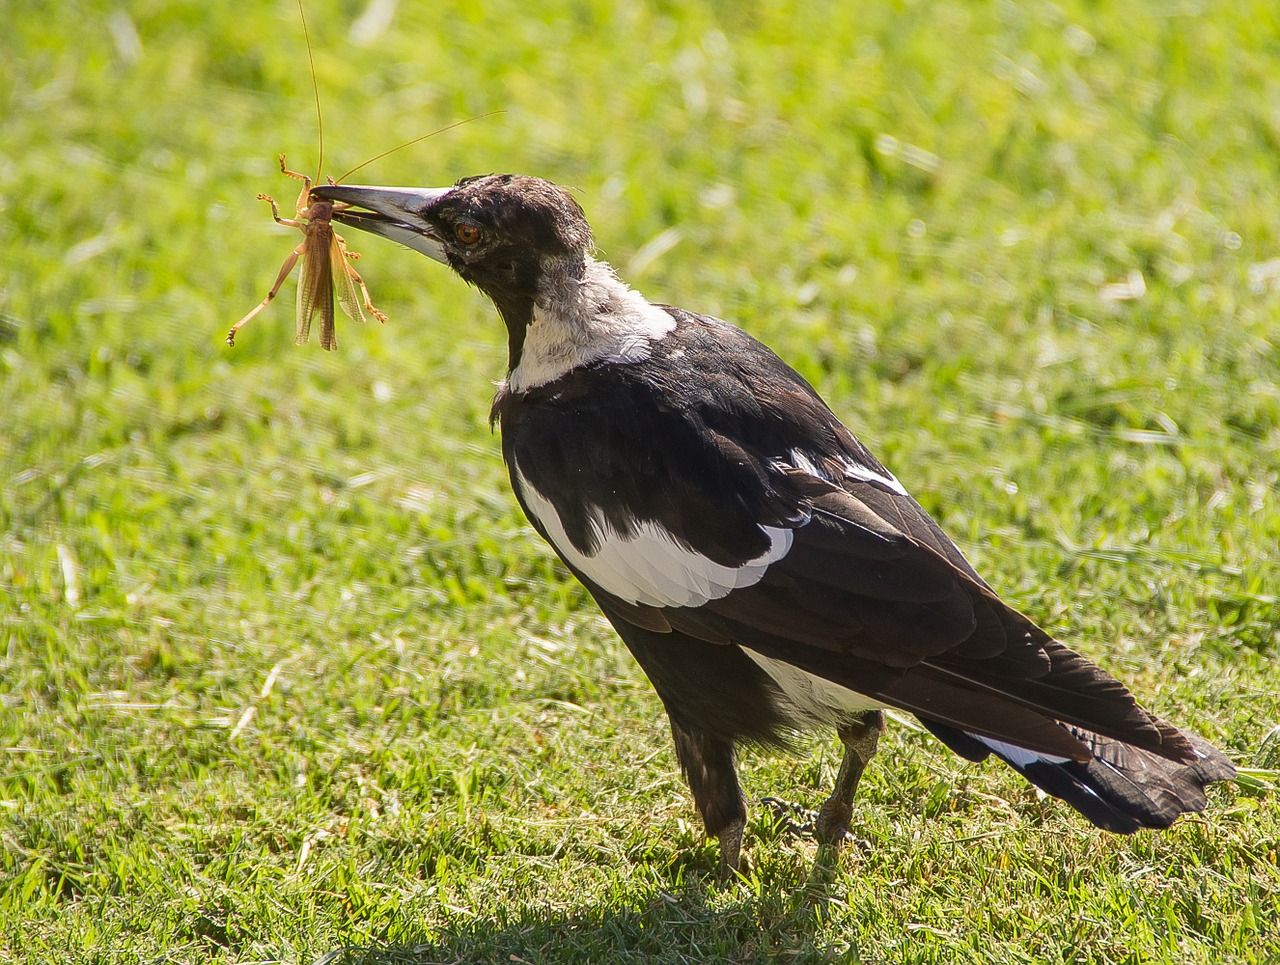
285	673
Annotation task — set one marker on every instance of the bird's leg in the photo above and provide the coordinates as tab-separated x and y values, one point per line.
708	765
731	849
859	740
830	824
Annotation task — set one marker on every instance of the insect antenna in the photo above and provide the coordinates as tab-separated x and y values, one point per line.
411	142
315	90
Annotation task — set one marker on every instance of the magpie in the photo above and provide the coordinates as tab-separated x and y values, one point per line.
769	575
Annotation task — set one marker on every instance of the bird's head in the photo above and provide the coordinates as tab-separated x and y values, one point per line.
511	236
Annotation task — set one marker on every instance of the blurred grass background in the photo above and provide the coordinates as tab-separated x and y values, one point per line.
285	673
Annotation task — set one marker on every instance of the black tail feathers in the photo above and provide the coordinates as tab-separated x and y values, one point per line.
1122	789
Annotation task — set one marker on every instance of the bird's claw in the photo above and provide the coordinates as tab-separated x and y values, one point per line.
793	819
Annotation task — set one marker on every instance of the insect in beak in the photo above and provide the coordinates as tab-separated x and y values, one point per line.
326	261
326	268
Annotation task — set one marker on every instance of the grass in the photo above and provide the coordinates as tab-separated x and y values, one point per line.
286	677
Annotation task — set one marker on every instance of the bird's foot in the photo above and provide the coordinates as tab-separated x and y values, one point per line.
829	827
794	819
731	851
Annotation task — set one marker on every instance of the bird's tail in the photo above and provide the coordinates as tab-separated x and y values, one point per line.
1122	788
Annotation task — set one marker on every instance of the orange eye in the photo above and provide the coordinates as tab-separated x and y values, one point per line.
468	234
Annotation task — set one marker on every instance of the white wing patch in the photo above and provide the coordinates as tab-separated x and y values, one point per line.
804	462
813	699
886	478
649	566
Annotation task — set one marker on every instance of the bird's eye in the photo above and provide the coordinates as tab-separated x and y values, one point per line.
468	234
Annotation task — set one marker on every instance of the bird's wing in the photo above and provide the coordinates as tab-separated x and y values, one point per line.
711	491
967	658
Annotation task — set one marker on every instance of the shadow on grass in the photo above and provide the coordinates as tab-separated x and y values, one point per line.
703	922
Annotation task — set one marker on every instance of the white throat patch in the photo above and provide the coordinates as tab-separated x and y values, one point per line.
585	321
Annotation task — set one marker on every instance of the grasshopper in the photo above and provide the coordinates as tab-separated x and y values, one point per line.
326	260
326	265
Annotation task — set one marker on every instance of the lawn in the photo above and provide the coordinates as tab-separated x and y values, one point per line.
284	674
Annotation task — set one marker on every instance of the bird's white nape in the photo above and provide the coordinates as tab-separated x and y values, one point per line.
649	566
580	321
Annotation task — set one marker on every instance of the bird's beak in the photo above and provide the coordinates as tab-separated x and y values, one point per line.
394	213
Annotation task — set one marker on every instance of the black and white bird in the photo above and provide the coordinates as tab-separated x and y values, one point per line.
768	573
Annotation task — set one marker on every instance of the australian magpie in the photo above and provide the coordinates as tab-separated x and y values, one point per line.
768	573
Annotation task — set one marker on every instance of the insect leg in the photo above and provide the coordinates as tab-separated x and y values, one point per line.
304	199
275	213
342	242
355	277
284	273
294	174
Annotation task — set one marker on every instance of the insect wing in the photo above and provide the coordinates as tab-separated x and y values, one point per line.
345	284
306	301
315	293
